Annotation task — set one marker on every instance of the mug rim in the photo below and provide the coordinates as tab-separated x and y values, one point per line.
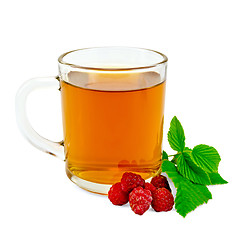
61	61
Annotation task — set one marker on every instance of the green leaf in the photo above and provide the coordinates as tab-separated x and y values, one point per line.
172	173
189	195
206	157
189	170
187	149
176	137
164	156
215	178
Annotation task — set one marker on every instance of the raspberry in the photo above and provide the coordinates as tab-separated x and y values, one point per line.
150	187
130	181
140	200
160	181
162	200
116	195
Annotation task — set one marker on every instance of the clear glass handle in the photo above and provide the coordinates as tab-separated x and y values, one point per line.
53	148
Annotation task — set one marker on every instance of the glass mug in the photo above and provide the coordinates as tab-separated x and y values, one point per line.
112	110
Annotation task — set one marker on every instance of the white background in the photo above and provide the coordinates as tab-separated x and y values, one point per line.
201	40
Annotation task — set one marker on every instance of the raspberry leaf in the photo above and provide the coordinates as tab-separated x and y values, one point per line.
206	157
172	172
191	171
176	137
164	156
189	195
215	178
187	149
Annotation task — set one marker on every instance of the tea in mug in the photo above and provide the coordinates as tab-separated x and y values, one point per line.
113	123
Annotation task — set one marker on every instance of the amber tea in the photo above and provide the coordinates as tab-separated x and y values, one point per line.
111	126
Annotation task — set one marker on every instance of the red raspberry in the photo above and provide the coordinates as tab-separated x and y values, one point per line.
149	186
162	200
140	200
160	181
130	181
116	195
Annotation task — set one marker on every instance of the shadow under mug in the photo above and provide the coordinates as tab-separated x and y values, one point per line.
112	110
